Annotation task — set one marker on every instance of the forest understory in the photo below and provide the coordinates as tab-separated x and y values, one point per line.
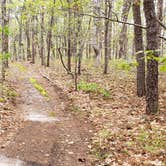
120	133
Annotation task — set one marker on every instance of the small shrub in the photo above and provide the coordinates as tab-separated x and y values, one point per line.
124	64
93	88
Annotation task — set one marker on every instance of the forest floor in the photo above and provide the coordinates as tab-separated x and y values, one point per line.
124	134
102	124
39	131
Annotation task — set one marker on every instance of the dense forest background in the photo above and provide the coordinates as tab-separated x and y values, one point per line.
108	56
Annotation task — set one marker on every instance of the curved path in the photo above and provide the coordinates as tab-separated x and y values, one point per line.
50	135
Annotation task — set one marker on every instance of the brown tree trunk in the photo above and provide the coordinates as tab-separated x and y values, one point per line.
69	38
33	40
28	41
107	40
5	22
160	17
20	51
139	48
97	42
49	39
152	64
123	34
42	38
14	49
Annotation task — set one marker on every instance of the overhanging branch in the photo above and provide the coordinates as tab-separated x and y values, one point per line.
114	20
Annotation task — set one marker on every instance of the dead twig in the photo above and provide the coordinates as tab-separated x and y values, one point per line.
61	58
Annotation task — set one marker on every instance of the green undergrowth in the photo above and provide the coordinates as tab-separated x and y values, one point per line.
124	65
152	141
162	68
93	88
7	93
38	87
20	67
162	64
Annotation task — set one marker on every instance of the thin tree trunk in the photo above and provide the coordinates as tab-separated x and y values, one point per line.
20	40
14	49
28	41
69	38
42	38
108	29
50	35
5	22
33	40
160	17
97	29
139	48
123	34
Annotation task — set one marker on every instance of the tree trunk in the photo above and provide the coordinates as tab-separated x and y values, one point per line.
97	43
33	40
69	38
14	49
42	38
5	22
50	35
139	48
20	39
160	17
107	37
152	64
28	41
123	34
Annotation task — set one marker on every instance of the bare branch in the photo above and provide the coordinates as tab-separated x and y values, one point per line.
114	20
61	57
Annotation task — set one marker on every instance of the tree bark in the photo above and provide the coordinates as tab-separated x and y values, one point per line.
28	41
33	40
107	40
50	35
42	37
152	64
97	43
160	17
123	34
139	49
69	38
5	22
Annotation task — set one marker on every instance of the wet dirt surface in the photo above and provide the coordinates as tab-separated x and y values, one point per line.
4	161
49	136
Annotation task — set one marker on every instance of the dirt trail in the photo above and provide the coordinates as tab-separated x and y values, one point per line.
49	136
